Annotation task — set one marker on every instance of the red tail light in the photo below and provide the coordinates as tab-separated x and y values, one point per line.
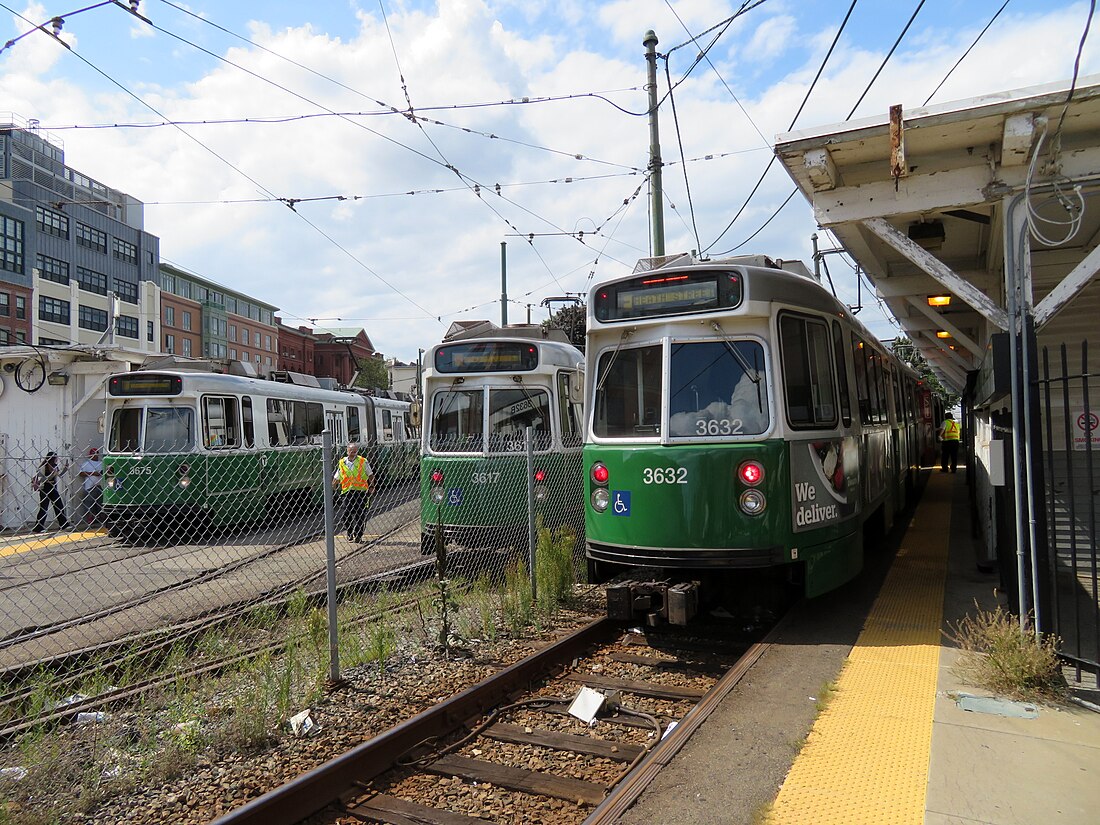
437	476
600	475
540	476
751	473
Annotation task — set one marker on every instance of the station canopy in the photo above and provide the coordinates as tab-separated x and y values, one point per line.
929	201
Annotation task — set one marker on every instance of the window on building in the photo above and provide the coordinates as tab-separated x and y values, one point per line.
233	353
92	318
53	309
20	307
149	331
186	347
267	343
186	320
244	355
124	251
91	280
170	316
20	336
256	340
128	326
11	244
126	291
233	333
244	335
5	305
5	336
170	344
91	238
267	360
257	358
50	222
51	269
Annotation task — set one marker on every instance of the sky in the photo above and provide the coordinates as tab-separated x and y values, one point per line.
273	146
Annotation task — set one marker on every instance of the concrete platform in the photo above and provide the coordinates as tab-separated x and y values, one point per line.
910	752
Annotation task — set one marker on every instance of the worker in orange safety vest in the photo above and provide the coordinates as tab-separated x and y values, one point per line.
354	478
949	443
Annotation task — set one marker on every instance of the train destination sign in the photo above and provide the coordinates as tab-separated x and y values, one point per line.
653	296
145	384
487	356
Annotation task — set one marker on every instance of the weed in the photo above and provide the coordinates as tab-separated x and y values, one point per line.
515	599
999	655
298	604
825	695
762	814
554	576
381	643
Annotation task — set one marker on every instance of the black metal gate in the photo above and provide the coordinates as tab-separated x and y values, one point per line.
1071	464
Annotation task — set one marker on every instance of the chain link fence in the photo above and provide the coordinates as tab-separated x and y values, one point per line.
147	557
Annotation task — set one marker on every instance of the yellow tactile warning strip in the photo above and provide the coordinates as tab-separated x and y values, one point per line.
46	542
866	759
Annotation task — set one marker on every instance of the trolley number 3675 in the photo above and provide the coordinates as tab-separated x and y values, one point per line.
665	475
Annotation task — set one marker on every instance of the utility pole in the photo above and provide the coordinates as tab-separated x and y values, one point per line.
656	195
503	284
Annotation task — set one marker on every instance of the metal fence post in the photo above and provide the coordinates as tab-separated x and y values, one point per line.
530	439
330	557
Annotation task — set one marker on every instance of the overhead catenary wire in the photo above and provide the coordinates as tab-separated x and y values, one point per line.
970	48
801	106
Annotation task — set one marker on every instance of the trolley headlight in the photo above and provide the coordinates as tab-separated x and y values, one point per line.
185	475
601	498
753	502
438	494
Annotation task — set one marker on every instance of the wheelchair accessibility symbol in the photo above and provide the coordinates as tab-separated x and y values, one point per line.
620	502
454	496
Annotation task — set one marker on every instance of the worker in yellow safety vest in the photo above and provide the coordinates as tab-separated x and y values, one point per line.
949	444
354	478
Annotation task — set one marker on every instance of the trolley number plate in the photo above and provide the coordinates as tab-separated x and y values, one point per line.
725	426
485	478
665	475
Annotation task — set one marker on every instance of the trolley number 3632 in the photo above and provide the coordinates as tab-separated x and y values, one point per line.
665	475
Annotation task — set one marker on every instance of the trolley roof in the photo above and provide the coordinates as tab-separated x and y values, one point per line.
552	353
195	383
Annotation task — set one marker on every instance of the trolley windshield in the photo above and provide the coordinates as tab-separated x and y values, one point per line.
459	423
716	389
152	430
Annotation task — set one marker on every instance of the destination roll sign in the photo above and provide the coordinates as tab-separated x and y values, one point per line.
654	295
149	383
487	356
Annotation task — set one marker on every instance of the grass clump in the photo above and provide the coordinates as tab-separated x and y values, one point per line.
1002	657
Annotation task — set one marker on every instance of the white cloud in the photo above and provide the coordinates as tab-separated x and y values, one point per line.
442	250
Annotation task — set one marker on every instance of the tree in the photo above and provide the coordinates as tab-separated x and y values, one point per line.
572	320
373	374
907	351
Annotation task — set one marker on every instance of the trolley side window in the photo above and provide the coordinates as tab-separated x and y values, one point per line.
126	430
169	430
511	412
571	435
353	424
277	433
248	422
387	425
842	375
859	360
307	422
718	388
628	393
807	372
456	425
220	422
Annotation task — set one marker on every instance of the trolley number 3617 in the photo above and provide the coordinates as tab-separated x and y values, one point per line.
665	475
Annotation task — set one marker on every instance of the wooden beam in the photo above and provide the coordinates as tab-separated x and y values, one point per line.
603	748
653	689
1016	139
539	783
821	169
938	270
1070	286
945	324
385	808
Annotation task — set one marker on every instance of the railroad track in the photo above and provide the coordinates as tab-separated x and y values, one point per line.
508	749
